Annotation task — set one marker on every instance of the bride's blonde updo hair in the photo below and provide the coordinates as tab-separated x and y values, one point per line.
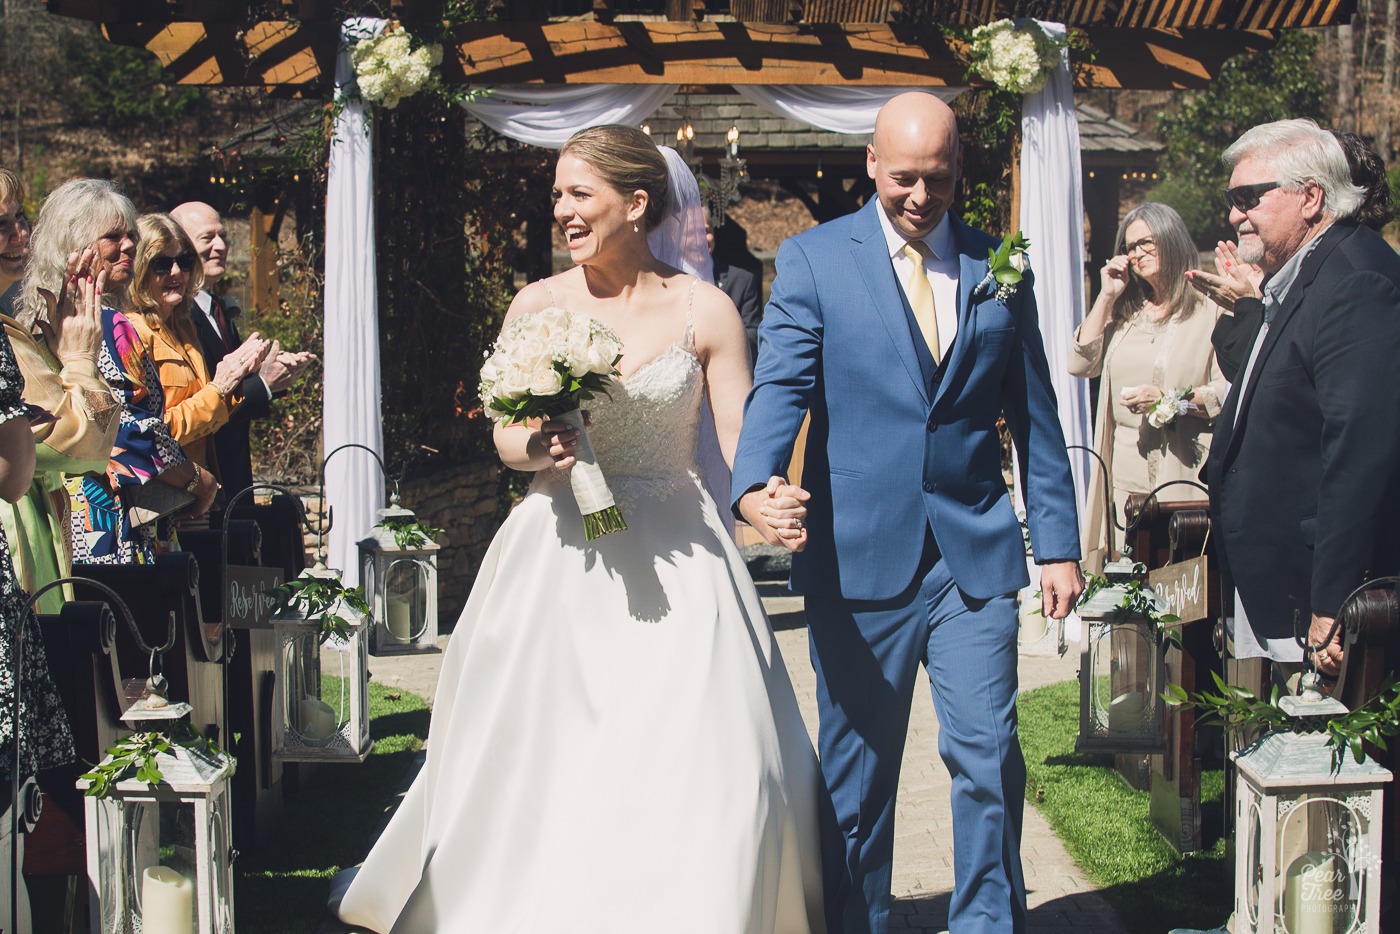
628	160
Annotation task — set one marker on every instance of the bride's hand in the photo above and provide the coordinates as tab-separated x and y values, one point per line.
779	513
560	440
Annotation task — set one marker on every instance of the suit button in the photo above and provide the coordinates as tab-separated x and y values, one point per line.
932	426
928	486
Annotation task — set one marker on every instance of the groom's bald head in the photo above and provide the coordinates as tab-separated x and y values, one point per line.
914	159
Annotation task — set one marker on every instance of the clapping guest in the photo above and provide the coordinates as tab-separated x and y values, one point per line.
218	335
197	402
92	214
57	356
1237	286
1147	336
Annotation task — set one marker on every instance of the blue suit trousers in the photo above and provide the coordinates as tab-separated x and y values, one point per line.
866	655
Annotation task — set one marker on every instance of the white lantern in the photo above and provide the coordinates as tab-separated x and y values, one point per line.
317	718
401	585
1308	844
1037	635
159	856
1122	670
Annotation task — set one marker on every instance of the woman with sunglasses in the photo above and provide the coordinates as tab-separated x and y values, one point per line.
166	276
1148	339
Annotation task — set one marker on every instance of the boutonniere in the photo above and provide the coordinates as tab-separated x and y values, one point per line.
1004	267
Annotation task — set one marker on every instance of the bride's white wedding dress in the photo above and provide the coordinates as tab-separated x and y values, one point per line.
615	745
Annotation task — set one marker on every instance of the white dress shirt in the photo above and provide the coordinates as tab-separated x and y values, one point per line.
941	266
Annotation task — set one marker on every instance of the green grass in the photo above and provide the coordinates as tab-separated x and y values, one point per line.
1104	824
282	888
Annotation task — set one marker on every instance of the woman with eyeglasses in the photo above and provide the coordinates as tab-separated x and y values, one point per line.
166	276
1147	338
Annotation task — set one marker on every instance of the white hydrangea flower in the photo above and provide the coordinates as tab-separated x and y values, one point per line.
388	68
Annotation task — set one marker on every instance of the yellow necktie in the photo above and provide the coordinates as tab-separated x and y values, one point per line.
920	295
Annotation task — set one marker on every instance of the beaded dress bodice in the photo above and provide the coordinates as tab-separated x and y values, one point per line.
644	432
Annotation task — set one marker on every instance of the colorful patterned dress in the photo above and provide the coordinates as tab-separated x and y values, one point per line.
46	740
144	449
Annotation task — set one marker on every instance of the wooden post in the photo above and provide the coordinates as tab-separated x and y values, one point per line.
264	290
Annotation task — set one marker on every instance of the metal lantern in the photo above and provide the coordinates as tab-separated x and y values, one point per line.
1122	669
1308	854
317	718
401	585
159	857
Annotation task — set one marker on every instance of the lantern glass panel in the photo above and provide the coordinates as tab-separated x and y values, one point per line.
311	718
1123	658
1254	859
1321	864
406	600
220	847
150	882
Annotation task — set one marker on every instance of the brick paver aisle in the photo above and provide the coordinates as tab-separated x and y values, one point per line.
1061	900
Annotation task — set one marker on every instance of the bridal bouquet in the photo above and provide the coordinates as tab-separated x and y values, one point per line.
542	366
1169	406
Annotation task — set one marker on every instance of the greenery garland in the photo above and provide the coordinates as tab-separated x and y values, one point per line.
409	532
1240	710
314	597
137	753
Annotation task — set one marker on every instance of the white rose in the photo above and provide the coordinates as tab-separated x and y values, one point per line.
513	384
546	383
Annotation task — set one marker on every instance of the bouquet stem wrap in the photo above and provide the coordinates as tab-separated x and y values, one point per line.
595	500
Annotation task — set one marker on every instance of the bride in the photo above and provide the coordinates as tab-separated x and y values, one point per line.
615	744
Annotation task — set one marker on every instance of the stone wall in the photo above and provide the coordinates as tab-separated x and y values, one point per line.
461	501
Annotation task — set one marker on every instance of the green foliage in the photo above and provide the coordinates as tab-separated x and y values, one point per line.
286	444
137	753
1373	722
124	88
409	532
988	121
315	598
1251	89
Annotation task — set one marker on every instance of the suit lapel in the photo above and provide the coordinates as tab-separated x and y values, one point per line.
1291	303
971	271
872	258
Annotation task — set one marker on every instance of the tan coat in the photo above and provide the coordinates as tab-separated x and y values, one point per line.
1176	452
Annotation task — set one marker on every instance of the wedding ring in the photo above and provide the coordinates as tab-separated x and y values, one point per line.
797	524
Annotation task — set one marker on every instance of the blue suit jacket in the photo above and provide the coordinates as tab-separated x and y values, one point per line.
890	455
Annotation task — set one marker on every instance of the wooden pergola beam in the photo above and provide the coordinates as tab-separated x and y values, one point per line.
300	56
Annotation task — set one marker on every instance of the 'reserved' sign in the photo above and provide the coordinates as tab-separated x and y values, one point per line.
249	600
1183	586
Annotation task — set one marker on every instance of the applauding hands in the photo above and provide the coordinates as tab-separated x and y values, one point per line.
73	330
234	367
1232	280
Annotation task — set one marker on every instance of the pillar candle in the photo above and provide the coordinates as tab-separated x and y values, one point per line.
167	902
318	720
1314	894
400	612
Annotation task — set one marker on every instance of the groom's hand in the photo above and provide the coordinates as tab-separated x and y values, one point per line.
1060	587
778	512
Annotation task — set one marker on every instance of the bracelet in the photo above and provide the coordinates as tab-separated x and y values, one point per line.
196	482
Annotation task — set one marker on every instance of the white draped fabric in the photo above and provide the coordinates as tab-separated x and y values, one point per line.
548	116
354	484
1052	218
833	108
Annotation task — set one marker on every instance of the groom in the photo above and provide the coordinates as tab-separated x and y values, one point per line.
910	548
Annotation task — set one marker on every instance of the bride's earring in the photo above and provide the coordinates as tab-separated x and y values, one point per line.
635	228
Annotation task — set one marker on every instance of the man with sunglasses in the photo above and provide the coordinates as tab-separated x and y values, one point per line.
218	336
1304	467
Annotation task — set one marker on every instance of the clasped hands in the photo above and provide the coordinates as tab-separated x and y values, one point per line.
778	512
1233	279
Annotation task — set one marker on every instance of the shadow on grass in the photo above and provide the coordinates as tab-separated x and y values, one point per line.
1105	826
330	823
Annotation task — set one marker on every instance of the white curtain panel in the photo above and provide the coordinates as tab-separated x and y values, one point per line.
354	484
830	107
1052	218
548	116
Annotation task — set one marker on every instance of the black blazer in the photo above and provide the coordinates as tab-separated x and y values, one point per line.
1234	334
231	444
741	286
1305	483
